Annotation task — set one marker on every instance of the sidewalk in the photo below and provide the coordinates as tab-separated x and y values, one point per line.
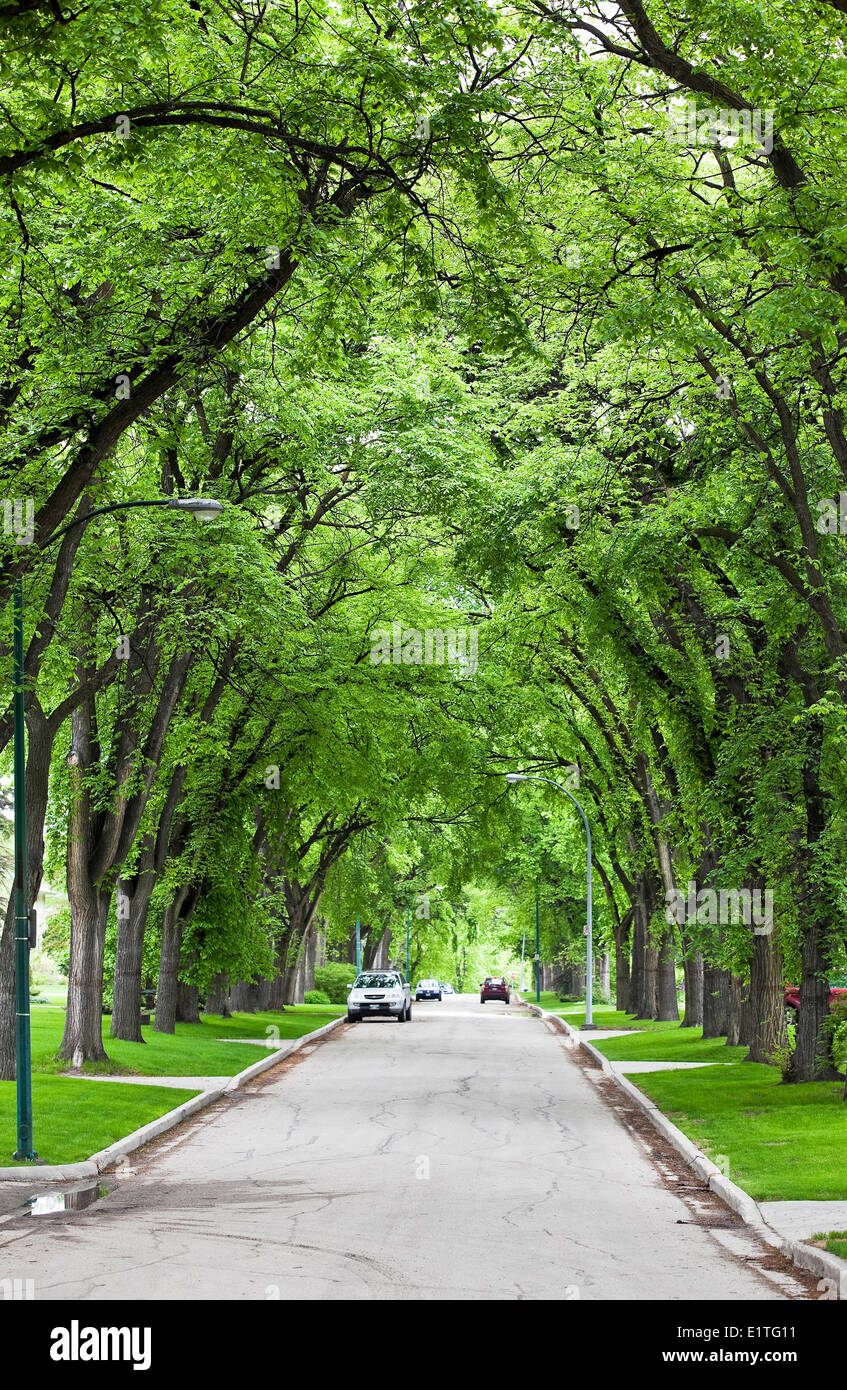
188	1083
791	1224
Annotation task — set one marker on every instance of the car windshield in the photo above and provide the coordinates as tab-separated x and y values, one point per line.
376	982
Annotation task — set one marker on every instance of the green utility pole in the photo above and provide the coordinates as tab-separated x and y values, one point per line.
23	1061
588	929
358	948
537	953
408	958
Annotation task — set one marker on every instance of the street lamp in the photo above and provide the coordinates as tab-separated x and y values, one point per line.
205	509
589	964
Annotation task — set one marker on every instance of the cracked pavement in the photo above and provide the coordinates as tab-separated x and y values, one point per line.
466	1155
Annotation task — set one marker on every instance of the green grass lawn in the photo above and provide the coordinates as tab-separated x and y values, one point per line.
194	1050
782	1143
670	1044
75	1119
835	1242
603	1015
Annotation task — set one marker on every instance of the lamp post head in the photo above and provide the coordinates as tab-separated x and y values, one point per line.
204	508
516	777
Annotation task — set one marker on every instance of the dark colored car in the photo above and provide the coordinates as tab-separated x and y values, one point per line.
494	987
428	989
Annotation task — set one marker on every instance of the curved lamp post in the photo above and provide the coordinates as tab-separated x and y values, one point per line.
589	963
205	509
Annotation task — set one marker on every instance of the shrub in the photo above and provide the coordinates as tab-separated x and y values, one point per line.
836	1027
333	980
316	996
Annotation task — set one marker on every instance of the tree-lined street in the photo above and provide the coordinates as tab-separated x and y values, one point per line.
423	565
466	1156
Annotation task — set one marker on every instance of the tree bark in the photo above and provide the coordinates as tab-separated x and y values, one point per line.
667	1001
638	961
812	1057
39	750
716	990
218	997
767	1000
692	966
129	956
622	979
187	1003
83	1035
733	1021
167	988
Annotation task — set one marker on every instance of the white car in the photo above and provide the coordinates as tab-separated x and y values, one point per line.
377	993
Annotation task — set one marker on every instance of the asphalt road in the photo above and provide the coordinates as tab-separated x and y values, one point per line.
465	1155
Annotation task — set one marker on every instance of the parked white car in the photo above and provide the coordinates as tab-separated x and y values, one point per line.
378	993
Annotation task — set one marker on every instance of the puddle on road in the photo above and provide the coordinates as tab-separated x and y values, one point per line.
74	1199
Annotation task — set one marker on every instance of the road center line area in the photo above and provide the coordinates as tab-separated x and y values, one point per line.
466	1155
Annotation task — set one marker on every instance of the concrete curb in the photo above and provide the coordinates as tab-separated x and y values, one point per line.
92	1167
818	1262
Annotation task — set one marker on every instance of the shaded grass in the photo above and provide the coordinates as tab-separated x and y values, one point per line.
670	1045
602	1017
782	1143
75	1119
194	1049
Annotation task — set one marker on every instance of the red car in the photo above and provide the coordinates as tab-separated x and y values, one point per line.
792	1000
494	987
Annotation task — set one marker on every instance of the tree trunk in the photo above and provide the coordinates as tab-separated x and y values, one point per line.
622	979
818	910
39	751
293	981
312	956
745	1029
716	990
83	1035
129	957
693	971
638	963
649	1003
812	1057
242	997
187	1003
217	997
668	1003
733	1021
167	988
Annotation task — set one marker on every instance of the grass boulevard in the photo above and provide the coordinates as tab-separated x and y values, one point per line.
78	1117
780	1143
